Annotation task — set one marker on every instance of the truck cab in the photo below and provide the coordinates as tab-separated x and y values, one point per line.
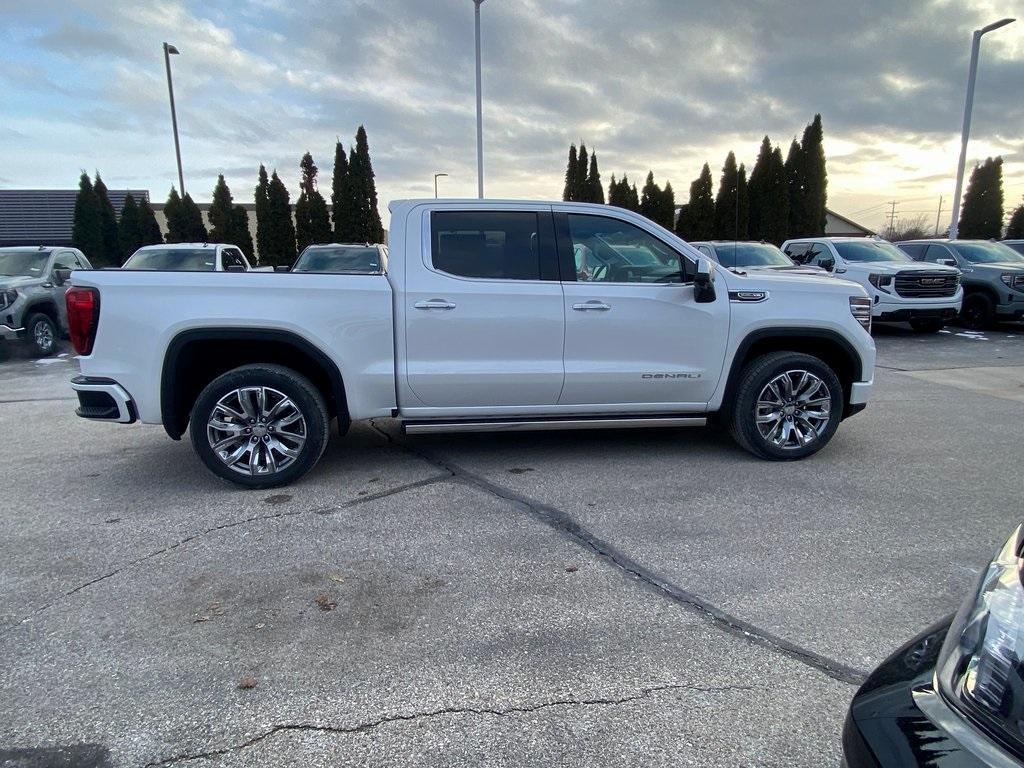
191	257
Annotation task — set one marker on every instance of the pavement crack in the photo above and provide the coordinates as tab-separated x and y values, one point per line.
569	526
370	725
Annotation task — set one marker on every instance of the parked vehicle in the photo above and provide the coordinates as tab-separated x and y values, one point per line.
993	276
192	257
951	697
926	296
753	255
484	322
1017	245
32	308
343	259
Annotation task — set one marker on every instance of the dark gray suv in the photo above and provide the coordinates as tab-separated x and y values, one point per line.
32	305
993	276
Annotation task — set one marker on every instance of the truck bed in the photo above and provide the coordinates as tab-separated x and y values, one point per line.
348	318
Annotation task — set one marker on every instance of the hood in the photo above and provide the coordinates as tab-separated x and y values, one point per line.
756	279
1005	267
892	267
18	282
795	269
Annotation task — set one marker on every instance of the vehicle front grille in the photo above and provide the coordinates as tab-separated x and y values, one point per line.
927	285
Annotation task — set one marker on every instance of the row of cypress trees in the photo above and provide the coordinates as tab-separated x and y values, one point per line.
280	232
100	234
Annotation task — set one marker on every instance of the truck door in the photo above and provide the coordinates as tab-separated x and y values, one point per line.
484	318
634	335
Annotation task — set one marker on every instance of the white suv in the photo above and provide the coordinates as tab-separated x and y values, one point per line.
901	290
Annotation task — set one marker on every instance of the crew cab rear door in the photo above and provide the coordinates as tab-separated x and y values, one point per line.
635	338
484	322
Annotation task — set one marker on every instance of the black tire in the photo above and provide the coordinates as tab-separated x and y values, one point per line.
306	400
978	311
41	334
755	377
927	326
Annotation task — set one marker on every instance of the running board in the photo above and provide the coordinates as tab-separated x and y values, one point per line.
533	425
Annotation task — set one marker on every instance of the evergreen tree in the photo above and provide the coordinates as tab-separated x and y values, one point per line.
580	182
240	234
727	200
794	172
684	222
1015	229
699	221
760	212
569	191
148	225
595	192
776	216
815	178
108	226
263	216
613	192
280	228
221	212
192	218
367	219
981	216
129	229
743	204
312	222
650	198
341	197
177	227
86	227
632	198
667	208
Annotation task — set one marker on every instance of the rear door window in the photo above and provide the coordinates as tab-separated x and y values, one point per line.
491	245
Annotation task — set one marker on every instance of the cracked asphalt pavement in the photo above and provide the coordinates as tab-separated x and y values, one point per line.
618	598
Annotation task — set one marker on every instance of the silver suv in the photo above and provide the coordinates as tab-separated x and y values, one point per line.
32	291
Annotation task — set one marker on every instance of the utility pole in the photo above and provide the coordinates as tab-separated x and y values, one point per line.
938	216
479	112
892	218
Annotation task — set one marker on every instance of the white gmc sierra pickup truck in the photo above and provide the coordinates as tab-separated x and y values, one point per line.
493	315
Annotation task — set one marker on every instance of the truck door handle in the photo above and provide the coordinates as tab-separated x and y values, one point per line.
434	304
600	306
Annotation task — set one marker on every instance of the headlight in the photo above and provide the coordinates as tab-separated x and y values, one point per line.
880	281
1008	279
7	298
860	308
980	669
1013	281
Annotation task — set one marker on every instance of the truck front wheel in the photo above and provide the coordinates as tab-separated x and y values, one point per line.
788	405
260	426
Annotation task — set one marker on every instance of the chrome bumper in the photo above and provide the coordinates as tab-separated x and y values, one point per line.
7	332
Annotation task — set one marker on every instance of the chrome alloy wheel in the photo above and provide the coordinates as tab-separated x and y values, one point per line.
256	430
43	336
793	409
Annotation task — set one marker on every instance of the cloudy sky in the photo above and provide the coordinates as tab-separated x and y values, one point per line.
651	84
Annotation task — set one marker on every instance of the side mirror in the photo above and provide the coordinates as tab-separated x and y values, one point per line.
946	262
829	264
282	268
61	276
704	282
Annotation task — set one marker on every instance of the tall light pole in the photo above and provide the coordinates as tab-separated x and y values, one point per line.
479	112
168	50
968	106
436	175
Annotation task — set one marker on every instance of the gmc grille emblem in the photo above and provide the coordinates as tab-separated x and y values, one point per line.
933	281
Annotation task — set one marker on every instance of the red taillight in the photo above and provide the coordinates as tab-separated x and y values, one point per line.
83	317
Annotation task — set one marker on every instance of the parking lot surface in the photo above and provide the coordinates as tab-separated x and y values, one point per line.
588	598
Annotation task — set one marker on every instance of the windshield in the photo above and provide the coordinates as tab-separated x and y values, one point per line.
988	253
174	259
870	250
23	263
358	259
1018	247
751	255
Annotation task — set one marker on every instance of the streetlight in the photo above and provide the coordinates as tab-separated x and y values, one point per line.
436	175
479	112
168	51
968	106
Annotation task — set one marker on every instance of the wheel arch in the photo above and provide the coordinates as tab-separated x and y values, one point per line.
827	345
196	357
46	307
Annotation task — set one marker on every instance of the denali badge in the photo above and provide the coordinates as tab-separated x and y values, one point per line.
670	375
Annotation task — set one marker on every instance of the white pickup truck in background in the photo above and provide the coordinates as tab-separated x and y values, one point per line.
192	257
493	315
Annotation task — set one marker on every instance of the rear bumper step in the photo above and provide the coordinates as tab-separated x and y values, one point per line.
540	424
103	400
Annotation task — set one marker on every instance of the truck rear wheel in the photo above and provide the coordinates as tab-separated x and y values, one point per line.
260	426
788	405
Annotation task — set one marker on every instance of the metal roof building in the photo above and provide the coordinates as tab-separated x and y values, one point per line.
44	216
